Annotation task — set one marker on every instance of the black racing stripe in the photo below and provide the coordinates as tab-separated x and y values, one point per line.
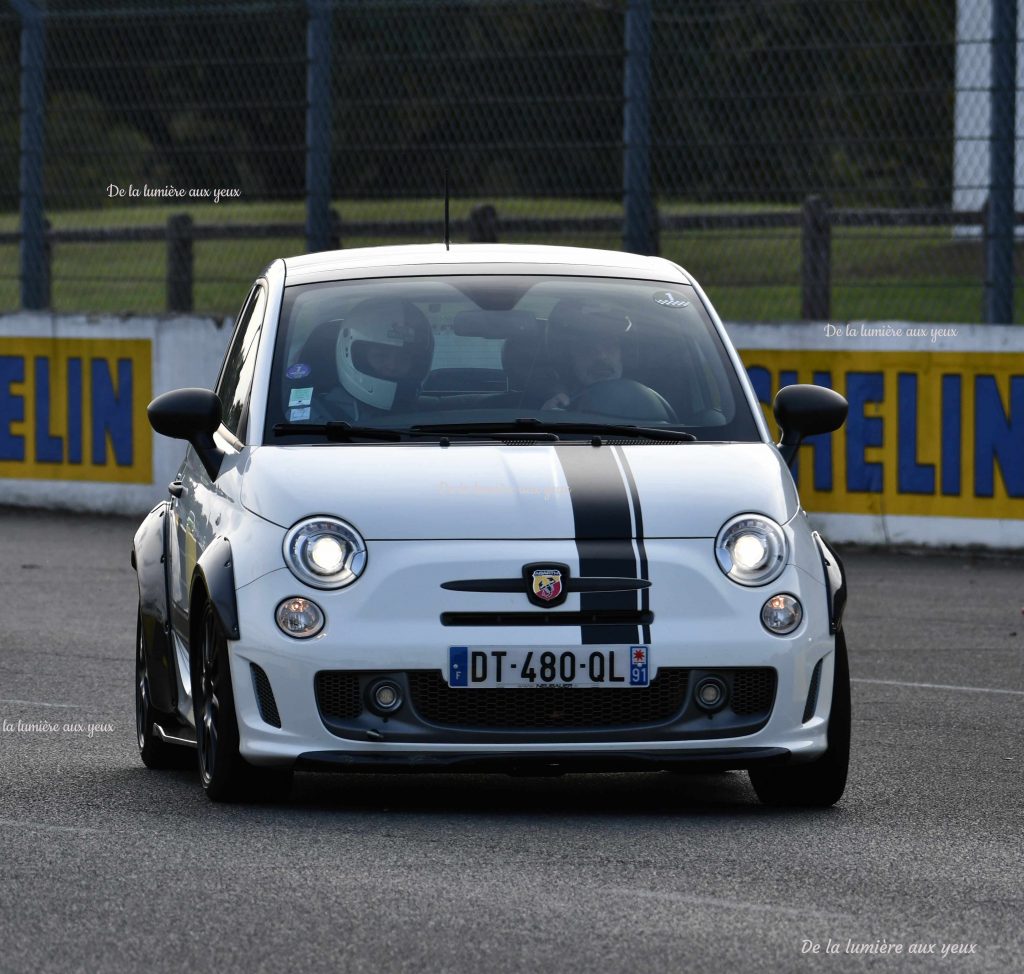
601	512
645	594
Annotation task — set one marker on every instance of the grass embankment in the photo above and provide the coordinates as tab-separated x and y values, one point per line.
925	275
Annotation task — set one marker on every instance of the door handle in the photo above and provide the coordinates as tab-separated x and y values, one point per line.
177	488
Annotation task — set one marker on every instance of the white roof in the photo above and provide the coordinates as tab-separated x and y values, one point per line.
432	259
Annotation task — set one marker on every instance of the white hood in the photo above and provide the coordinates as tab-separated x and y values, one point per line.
485	491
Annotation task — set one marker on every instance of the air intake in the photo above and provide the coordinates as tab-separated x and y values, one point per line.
812	694
265	696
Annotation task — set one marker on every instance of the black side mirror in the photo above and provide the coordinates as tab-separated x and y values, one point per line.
193	415
804	410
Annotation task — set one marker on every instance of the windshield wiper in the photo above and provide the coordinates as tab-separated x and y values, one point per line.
531	426
338	431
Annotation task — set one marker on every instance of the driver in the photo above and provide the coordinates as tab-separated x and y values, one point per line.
594	352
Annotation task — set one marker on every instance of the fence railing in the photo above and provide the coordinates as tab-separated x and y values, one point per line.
815	221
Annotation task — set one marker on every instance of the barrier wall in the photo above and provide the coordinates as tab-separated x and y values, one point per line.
73	396
933	451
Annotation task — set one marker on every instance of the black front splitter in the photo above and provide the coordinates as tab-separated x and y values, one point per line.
549	762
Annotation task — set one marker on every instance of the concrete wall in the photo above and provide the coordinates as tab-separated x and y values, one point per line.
972	121
55	369
933	452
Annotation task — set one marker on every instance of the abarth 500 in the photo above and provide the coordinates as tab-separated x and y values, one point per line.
488	508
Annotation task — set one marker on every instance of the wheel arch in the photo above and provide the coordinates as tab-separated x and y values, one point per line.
214	578
149	559
835	582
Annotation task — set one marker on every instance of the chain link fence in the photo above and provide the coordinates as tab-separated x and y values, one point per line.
803	158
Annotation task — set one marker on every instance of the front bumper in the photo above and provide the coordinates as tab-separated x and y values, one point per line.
553	762
703	623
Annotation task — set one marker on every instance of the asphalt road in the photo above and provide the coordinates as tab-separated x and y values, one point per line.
105	866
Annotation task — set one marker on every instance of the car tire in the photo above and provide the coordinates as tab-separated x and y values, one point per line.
155	753
819	783
226	776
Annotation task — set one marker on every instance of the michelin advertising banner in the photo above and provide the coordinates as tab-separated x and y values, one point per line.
933	449
932	452
73	397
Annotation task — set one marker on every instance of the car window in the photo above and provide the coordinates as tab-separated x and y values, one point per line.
236	375
490	348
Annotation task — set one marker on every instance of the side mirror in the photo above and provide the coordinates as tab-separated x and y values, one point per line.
804	410
193	415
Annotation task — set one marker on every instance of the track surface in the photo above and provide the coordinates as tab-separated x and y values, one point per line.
105	866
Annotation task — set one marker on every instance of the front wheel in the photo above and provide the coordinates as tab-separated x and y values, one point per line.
821	782
154	751
225	774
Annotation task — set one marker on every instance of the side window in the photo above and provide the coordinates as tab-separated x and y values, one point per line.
236	376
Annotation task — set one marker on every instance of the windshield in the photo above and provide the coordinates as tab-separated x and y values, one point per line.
447	351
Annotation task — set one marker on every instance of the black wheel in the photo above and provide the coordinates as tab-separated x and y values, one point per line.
154	752
225	774
819	783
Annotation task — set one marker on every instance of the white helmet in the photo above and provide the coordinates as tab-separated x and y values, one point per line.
366	349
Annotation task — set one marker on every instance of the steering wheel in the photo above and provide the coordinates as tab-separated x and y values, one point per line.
624	397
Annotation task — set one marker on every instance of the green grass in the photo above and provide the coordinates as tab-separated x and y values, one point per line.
924	275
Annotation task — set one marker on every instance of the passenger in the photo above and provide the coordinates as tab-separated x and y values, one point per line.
384	351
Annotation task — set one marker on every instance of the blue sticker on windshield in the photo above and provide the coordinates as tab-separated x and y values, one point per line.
298	371
669	300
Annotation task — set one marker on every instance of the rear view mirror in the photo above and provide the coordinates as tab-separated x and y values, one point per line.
493	324
193	415
806	410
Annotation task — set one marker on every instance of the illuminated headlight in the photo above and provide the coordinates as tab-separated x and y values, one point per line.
299	617
781	614
751	549
324	552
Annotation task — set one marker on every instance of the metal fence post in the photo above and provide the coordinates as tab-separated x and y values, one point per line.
34	285
318	125
179	263
816	260
483	224
638	236
335	238
46	271
999	232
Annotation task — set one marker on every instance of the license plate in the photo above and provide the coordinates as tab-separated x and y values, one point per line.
577	666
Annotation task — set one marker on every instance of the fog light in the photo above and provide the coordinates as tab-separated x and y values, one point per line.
299	617
710	694
781	614
385	697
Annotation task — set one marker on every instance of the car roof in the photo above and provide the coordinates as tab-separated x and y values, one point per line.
434	259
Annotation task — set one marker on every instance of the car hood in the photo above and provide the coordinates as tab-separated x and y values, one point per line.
495	491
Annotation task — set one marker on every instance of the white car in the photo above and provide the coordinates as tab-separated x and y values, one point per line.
492	508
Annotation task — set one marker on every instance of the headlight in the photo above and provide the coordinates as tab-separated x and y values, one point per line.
751	549
324	552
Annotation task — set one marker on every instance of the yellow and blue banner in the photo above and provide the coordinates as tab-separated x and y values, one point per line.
75	409
929	433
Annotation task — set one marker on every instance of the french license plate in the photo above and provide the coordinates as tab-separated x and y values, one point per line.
576	666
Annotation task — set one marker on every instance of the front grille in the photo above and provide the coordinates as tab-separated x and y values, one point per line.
592	617
337	694
549	707
265	696
753	690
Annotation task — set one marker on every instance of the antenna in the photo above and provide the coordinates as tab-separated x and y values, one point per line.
447	234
